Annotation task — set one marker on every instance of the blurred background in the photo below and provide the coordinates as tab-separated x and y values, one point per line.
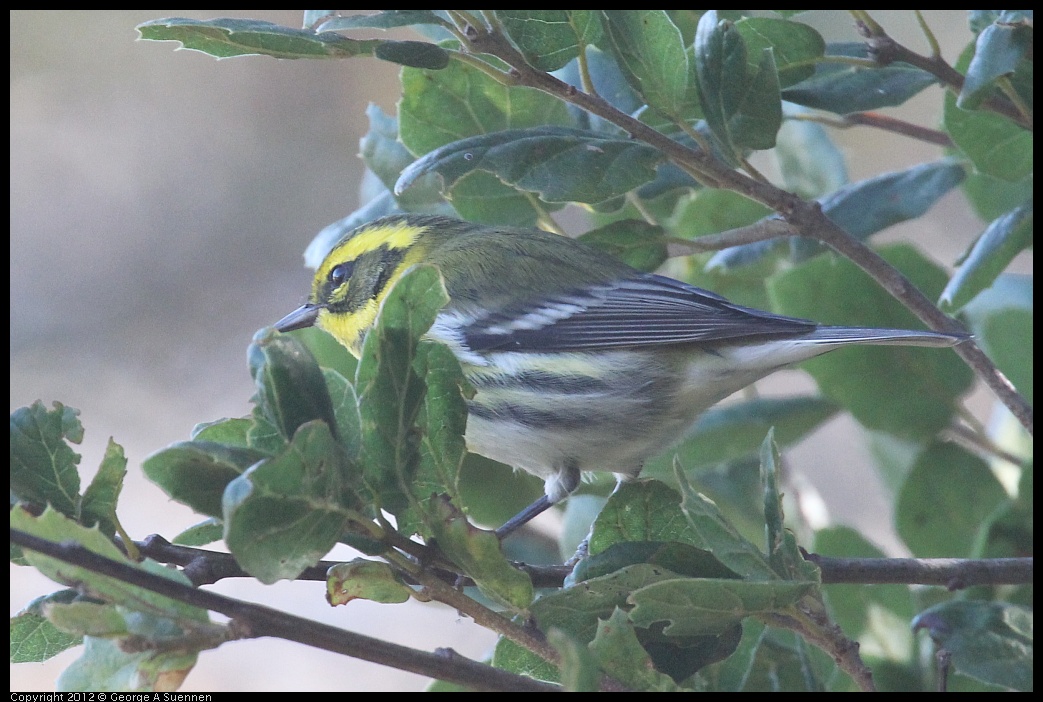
160	204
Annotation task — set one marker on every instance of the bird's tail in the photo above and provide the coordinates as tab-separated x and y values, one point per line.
885	337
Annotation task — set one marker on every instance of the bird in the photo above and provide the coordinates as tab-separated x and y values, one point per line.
580	363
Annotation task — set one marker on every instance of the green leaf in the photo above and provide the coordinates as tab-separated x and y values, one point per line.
196	473
1002	318
55	527
1002	240
385	19
417	54
999	49
701	606
736	430
478	554
549	39
441	422
633	241
990	641
385	155
291	389
561	164
843	89
34	639
872	205
223	38
99	499
795	46
995	145
579	670
460	101
231	432
104	665
991	197
644	510
286	512
206	532
676	557
742	107
718	536
810	163
43	465
909	392
390	391
618	650
649	49
365	579
945	503
783	552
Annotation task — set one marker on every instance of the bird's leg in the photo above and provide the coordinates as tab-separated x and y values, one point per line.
558	487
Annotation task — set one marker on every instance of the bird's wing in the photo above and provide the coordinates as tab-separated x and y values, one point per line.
642	310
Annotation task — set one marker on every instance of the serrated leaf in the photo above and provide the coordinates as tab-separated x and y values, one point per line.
945	502
442	421
290	386
390	391
636	243
995	145
990	641
224	38
913	390
549	39
843	89
43	465
652	56
561	164
783	552
795	46
719	537
101	496
286	512
618	650
478	554
736	430
702	606
676	557
34	638
1002	240
196	473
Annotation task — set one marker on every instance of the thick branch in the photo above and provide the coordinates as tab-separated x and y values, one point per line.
257	620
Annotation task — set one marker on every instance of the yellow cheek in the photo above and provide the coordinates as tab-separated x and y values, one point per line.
349	329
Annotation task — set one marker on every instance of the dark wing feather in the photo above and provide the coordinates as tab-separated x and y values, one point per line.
644	310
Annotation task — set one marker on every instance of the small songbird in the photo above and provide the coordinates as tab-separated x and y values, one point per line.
579	362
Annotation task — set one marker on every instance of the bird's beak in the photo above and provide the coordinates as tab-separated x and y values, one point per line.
301	318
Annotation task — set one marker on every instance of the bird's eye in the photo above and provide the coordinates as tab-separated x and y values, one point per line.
341	272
